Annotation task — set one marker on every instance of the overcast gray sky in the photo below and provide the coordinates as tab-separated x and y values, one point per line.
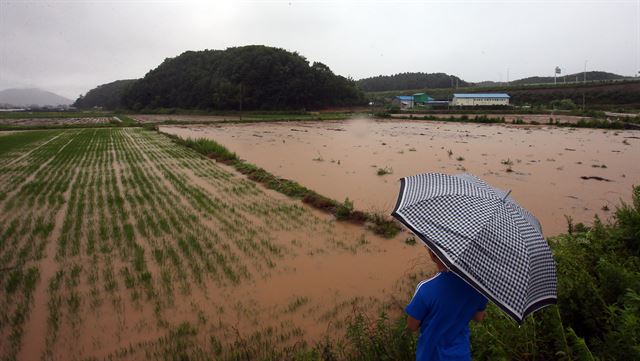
69	47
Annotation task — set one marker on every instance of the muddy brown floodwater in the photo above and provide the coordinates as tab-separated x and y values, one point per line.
551	171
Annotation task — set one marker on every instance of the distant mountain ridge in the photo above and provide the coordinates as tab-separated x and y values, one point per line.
414	81
31	96
405	81
591	76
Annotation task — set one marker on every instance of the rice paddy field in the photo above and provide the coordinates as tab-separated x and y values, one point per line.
120	244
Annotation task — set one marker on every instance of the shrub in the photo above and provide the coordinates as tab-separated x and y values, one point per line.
344	209
384	171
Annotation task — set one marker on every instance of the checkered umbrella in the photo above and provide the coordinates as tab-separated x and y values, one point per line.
482	235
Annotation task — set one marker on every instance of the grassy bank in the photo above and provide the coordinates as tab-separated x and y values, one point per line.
343	211
595	123
461	119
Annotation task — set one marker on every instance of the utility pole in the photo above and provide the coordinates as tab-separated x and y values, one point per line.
241	96
585	71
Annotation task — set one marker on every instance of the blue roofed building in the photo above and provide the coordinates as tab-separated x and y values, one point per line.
480	99
403	101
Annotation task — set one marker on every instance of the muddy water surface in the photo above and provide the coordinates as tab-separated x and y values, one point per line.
543	166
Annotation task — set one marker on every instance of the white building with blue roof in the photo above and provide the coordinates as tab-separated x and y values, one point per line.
479	99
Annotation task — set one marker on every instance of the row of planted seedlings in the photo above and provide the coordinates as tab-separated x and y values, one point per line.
27	221
18	144
247	197
173	216
77	265
120	211
96	241
254	203
193	250
244	196
218	209
24	162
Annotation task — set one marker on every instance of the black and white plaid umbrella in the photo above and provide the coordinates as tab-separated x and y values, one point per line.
482	235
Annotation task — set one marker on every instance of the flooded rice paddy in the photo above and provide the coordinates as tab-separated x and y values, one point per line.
120	244
554	172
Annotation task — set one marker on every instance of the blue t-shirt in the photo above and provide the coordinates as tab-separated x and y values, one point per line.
444	304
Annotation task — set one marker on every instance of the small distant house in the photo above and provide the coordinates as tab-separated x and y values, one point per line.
421	98
480	99
403	101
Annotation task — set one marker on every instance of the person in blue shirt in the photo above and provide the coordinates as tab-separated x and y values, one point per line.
441	309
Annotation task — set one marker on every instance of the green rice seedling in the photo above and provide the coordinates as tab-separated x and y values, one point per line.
110	284
384	171
158	255
362	240
382	225
167	281
73	302
296	303
129	279
14	280
30	280
270	247
128	234
344	209
318	158
139	264
508	163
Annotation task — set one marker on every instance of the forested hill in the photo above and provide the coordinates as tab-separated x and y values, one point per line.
406	81
108	96
591	76
252	77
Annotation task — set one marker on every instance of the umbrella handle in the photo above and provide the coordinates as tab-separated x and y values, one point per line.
506	195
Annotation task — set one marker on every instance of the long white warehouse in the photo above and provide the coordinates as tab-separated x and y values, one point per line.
479	99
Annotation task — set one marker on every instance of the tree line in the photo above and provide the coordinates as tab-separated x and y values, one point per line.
249	77
406	81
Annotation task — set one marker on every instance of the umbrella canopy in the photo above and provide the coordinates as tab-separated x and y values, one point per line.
483	236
